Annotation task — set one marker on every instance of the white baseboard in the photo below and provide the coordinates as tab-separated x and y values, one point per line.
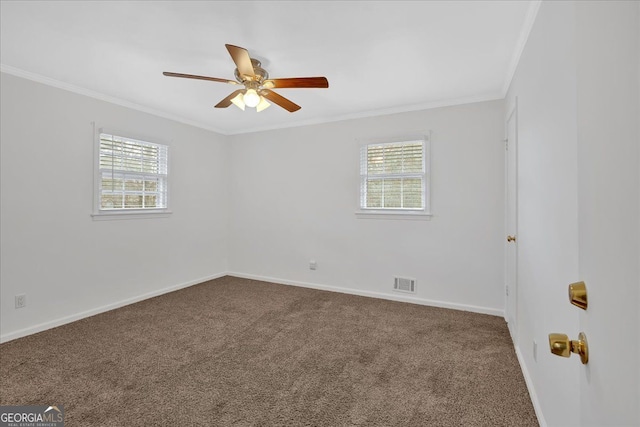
72	318
532	390
401	298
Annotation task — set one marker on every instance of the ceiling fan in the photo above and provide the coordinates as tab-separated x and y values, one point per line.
257	84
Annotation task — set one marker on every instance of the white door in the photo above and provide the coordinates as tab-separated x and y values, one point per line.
511	213
608	209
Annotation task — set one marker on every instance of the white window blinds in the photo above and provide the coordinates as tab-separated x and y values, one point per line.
392	176
133	174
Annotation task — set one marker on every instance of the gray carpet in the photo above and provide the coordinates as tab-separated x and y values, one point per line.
240	352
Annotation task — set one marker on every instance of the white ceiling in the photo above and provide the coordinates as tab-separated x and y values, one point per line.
379	56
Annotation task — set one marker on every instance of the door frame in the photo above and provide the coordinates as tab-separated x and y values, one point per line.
512	115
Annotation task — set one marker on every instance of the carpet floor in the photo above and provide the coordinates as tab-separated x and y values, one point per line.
241	352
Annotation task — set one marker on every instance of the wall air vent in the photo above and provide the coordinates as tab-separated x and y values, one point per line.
403	284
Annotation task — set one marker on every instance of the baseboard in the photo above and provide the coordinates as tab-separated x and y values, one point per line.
527	378
532	390
72	318
512	333
400	298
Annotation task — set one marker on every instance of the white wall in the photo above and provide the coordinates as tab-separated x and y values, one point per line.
294	194
285	210
609	219
52	251
545	87
578	218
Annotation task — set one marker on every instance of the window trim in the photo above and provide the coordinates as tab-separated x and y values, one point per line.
398	213
119	214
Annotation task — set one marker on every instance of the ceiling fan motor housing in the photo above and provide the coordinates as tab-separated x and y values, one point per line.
261	73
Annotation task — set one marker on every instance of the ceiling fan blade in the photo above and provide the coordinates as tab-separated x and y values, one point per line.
297	82
191	76
241	57
280	100
227	101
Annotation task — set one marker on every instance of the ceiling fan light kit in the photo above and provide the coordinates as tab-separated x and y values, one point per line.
250	99
238	101
257	85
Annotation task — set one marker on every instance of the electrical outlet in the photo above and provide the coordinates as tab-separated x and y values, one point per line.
313	265
535	350
21	301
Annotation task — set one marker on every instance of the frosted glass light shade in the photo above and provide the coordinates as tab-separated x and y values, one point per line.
238	101
251	98
263	105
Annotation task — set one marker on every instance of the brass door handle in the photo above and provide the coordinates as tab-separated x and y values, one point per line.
560	345
511	238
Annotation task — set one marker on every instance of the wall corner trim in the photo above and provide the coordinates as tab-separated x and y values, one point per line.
529	20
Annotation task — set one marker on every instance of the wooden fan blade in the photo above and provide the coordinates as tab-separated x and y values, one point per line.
191	76
297	82
227	101
280	100
241	57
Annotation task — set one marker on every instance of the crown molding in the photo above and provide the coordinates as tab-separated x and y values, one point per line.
320	120
102	97
375	113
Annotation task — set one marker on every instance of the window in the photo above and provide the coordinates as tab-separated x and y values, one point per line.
393	177
132	175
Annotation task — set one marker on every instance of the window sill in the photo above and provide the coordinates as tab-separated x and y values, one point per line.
394	214
133	214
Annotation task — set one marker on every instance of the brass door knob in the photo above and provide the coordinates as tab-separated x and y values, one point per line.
511	238
560	345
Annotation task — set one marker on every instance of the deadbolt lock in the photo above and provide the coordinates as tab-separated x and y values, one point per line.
560	345
578	294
